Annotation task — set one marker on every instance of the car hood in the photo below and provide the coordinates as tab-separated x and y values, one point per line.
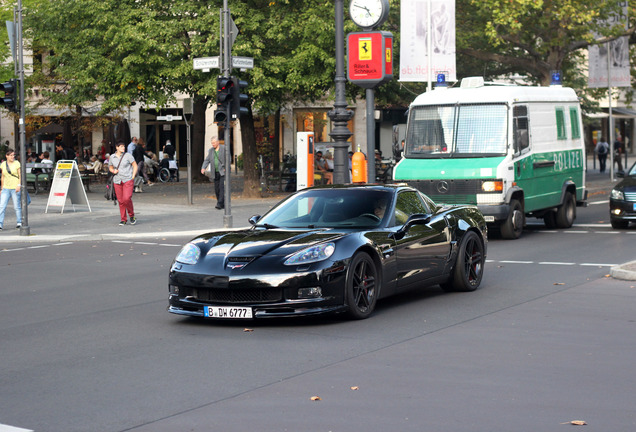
628	183
251	243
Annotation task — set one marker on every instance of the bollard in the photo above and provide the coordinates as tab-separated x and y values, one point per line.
358	167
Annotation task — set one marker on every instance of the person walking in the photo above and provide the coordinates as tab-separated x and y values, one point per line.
139	153
10	183
124	168
618	153
216	161
132	145
602	150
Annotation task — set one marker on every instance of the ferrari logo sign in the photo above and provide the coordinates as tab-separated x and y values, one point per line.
365	48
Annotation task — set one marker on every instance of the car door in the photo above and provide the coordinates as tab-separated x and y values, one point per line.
422	253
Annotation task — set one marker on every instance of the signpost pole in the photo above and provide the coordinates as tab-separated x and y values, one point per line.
25	230
227	56
370	96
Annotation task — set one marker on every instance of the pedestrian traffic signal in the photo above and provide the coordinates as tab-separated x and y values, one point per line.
9	101
239	100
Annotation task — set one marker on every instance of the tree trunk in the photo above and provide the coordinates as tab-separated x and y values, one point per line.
251	176
200	104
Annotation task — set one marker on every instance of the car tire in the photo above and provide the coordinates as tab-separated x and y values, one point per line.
619	224
469	265
566	214
361	290
512	227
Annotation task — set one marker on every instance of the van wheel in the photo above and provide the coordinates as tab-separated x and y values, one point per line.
550	220
512	227
567	212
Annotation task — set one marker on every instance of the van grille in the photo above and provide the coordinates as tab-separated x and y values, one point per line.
449	191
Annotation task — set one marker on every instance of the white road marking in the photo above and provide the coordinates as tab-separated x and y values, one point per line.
7	428
551	263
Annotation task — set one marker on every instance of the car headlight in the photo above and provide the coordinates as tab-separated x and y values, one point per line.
189	254
311	254
618	194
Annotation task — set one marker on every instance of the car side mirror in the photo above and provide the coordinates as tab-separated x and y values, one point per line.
254	219
416	219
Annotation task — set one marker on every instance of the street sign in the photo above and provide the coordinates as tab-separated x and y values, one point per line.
243	62
170	118
206	62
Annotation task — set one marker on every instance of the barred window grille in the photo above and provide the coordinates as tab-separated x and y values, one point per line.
461	129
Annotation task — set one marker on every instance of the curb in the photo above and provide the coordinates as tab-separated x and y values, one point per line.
625	271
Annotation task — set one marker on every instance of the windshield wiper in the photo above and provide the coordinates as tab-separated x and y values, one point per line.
266	226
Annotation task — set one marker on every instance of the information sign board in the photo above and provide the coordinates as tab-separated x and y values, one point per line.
67	182
370	58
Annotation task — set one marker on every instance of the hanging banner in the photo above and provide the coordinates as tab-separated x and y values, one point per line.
67	182
618	63
416	27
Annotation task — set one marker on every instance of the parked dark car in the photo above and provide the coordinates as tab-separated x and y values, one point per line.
623	200
330	249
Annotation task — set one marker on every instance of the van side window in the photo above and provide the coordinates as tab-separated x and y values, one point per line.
521	138
560	122
574	122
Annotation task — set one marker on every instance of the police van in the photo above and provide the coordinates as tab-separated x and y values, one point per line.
514	151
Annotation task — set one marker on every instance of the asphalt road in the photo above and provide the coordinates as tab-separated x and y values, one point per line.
86	345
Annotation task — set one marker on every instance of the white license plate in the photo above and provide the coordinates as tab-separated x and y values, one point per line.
227	312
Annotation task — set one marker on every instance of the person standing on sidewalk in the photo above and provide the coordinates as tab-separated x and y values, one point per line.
216	161
601	150
124	168
10	183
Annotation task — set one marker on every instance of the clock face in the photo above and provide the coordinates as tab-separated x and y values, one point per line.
368	13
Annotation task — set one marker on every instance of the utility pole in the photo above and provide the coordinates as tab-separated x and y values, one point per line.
340	115
226	55
25	230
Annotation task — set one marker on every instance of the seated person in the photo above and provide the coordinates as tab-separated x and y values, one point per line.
95	165
170	165
321	168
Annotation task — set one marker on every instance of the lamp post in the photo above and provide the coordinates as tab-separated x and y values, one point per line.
340	115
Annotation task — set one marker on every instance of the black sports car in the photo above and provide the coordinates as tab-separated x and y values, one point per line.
330	249
623	200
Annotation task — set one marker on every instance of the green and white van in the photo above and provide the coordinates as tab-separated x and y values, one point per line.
514	151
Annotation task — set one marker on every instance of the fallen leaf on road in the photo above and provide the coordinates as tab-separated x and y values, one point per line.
248	330
576	423
355	388
315	398
559	283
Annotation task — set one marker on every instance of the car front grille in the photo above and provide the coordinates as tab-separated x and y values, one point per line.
236	296
630	196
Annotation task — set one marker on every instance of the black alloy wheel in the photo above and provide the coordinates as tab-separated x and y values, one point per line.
361	286
469	267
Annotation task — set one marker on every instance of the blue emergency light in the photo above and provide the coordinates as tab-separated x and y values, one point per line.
556	78
441	80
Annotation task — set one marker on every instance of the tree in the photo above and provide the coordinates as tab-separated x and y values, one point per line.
532	37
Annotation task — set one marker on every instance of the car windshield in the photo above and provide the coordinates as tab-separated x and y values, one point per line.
632	171
330	208
471	130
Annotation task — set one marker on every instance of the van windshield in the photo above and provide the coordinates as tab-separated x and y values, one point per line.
471	130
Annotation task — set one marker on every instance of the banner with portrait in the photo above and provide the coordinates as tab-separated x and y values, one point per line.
618	63
416	26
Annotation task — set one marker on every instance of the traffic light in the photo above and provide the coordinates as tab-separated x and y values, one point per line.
9	101
239	100
223	98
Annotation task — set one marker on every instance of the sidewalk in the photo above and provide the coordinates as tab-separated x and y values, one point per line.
162	211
